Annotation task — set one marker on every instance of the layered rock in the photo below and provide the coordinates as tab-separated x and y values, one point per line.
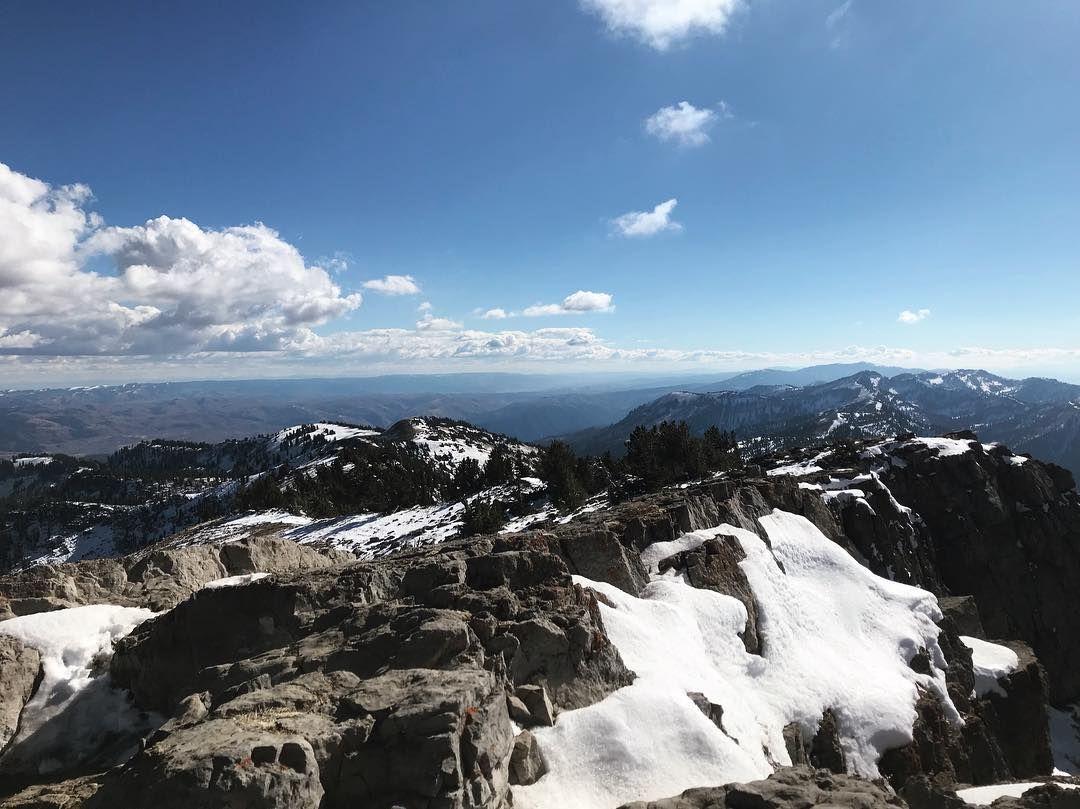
156	578
382	684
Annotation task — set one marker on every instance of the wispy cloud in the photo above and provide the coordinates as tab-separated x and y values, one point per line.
393	285
662	23
647	223
910	318
838	24
684	123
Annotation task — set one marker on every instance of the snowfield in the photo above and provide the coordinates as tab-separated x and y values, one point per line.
76	710
834	636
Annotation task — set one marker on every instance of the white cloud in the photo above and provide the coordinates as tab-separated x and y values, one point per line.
431	323
576	303
684	123
910	318
647	223
584	301
393	285
177	287
494	314
661	23
425	307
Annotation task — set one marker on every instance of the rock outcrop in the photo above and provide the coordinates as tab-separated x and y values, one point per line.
20	674
381	684
156	578
787	788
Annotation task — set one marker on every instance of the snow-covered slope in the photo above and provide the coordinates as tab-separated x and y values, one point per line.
835	637
62	509
1035	415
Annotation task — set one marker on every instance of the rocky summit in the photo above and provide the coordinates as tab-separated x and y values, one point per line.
867	624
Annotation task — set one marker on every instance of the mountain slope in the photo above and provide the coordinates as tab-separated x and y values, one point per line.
59	508
1033	415
719	631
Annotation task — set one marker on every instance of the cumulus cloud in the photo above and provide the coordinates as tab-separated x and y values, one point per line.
910	318
393	285
662	23
176	287
431	323
494	314
425	307
647	223
684	123
576	303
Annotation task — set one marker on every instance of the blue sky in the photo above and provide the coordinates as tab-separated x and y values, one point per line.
854	160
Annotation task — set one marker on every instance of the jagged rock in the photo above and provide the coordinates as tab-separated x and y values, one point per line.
402	702
826	752
714	712
1019	720
937	748
536	702
796	746
715	566
517	710
787	788
526	762
20	674
598	555
964	613
1007	534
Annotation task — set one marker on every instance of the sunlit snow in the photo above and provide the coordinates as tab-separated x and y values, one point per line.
834	634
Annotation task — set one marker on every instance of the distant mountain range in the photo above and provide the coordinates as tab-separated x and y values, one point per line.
1036	415
97	420
766	408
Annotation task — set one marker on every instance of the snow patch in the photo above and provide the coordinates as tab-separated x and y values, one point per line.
991	662
234	581
984	796
76	711
42	460
945	446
